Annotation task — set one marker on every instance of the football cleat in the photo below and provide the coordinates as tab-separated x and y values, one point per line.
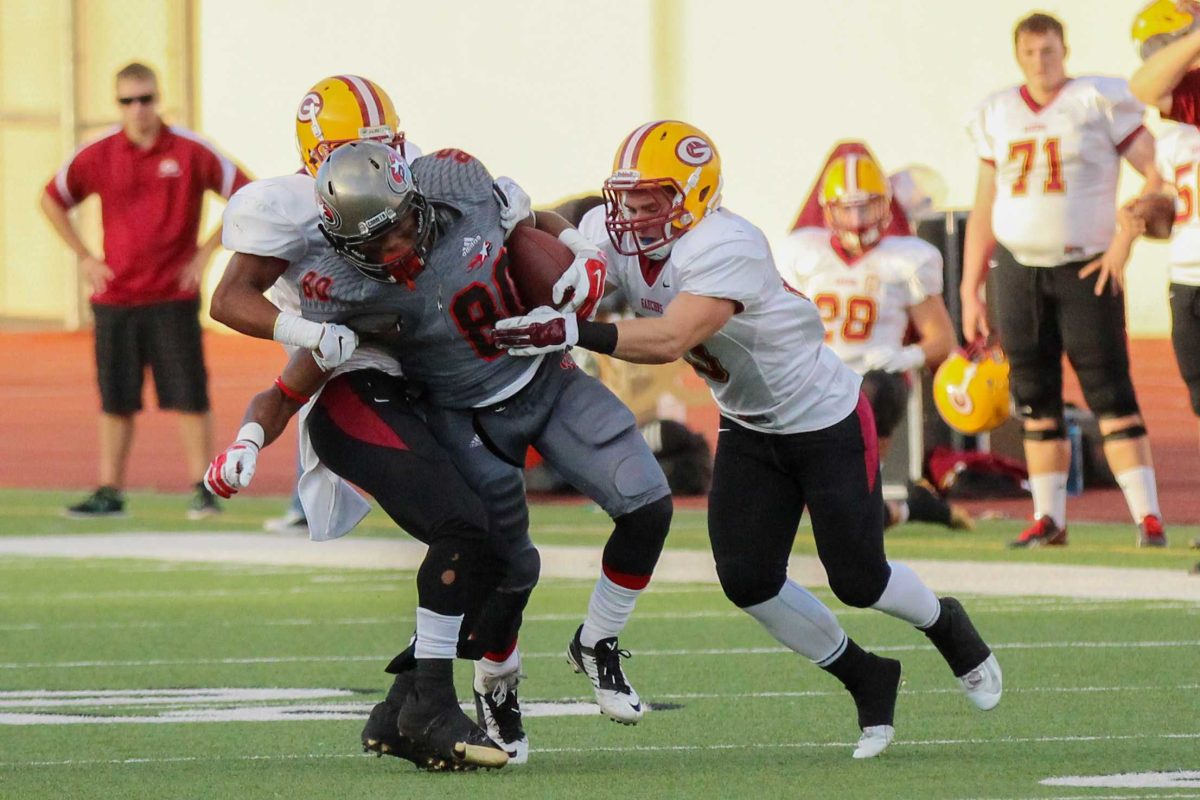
1043	531
1151	533
602	664
875	699
499	713
984	684
874	740
968	656
448	738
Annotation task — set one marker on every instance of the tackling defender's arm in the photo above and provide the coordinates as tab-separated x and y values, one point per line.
265	419
238	300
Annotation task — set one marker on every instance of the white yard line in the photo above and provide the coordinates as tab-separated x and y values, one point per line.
676	566
557	654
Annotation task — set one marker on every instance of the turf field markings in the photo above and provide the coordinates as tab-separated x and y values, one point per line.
635	749
728	651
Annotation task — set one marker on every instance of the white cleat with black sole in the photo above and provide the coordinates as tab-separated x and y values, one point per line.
602	664
984	684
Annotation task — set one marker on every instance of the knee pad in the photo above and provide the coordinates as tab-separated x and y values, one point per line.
888	395
860	587
747	583
1109	393
522	570
637	538
1059	431
1035	398
1132	432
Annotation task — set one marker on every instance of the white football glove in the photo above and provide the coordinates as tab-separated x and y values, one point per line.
585	277
336	346
894	359
515	204
232	470
543	330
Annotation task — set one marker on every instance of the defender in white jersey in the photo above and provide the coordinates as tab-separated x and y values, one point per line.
1050	151
868	287
795	431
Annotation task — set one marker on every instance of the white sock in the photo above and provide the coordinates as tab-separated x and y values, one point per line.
486	668
906	597
1141	492
437	634
608	611
1050	496
801	622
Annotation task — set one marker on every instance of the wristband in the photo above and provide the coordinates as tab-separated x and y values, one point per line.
599	337
253	433
297	331
576	241
289	392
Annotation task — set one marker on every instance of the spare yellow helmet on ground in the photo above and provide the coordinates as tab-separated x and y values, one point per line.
971	391
1158	24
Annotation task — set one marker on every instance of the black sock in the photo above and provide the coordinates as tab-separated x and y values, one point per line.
850	666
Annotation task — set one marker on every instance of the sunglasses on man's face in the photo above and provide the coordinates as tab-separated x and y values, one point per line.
143	99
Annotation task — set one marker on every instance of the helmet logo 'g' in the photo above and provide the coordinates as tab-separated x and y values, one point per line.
959	398
310	107
331	218
694	151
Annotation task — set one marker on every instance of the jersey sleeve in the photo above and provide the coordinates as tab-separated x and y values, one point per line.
452	175
254	224
977	130
1122	110
731	271
794	259
926	279
1185	99
76	178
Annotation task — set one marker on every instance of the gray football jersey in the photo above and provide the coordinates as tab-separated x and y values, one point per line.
446	318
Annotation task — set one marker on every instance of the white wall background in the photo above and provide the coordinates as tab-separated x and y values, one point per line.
544	91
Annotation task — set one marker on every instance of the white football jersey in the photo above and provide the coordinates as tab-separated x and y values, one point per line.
767	366
277	218
1177	154
1056	166
863	302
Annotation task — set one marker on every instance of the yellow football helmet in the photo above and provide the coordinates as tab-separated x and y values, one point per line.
340	109
971	392
856	199
679	161
1158	24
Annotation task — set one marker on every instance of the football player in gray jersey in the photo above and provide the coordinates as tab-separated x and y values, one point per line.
436	273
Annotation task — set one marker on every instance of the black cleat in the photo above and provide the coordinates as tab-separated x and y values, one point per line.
431	717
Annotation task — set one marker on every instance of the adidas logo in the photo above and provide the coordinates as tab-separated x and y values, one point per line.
476	441
470	243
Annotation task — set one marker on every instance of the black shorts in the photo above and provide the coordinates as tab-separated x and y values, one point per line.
163	336
762	483
1185	335
1042	311
363	427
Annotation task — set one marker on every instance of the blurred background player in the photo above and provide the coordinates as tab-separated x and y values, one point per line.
795	431
151	178
869	286
1050	153
272	228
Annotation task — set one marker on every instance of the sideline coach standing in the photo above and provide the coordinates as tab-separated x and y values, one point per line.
151	178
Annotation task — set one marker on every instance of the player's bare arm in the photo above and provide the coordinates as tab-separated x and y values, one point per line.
1156	79
687	321
934	329
980	241
238	300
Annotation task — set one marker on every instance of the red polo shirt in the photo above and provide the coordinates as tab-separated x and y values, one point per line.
150	203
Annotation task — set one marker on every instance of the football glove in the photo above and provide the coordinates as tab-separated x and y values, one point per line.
543	330
515	204
336	346
232	470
